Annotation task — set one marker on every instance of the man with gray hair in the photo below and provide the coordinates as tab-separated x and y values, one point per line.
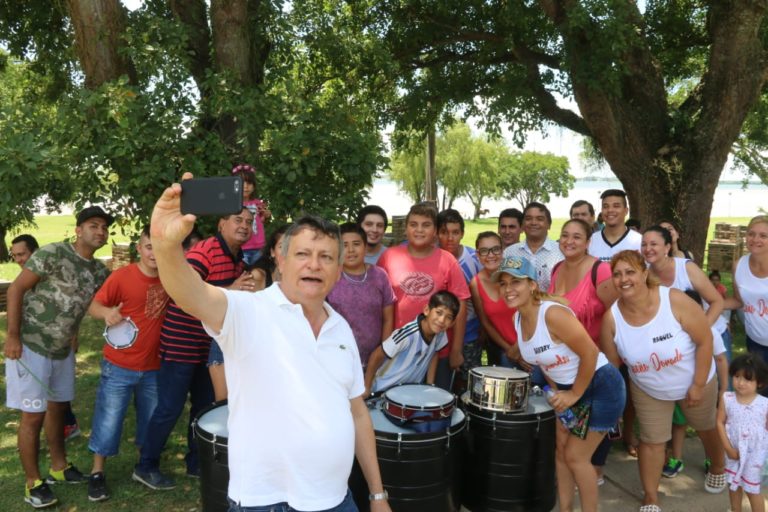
293	370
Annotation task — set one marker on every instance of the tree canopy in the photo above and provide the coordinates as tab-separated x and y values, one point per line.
663	92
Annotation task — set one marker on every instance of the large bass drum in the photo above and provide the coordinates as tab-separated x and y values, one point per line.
420	470
211	434
510	460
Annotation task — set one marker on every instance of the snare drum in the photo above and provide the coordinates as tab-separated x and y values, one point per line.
121	335
496	388
414	404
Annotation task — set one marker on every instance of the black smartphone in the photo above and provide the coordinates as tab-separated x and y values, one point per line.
212	196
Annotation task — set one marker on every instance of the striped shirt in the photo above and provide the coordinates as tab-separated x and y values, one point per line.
408	356
182	337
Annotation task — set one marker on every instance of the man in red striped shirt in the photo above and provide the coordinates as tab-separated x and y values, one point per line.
184	349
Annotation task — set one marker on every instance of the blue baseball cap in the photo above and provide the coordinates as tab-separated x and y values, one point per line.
516	267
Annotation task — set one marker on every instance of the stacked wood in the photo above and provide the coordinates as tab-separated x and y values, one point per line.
121	256
3	294
398	229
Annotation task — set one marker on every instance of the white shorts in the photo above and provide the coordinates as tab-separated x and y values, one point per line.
24	390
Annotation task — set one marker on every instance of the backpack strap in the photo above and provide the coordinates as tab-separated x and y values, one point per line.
595	266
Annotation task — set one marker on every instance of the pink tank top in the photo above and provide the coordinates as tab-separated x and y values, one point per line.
583	300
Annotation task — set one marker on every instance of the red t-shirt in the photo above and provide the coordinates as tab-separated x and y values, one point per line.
144	301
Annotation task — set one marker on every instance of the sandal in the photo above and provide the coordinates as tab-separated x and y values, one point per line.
650	508
631	449
714	483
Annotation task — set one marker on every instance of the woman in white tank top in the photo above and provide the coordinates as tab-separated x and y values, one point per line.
550	336
665	340
750	287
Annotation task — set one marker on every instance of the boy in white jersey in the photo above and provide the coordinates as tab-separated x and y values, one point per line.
410	352
615	236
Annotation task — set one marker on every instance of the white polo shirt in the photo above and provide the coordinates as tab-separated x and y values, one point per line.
291	433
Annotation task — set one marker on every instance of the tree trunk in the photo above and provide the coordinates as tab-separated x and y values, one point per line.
99	26
430	175
193	15
3	247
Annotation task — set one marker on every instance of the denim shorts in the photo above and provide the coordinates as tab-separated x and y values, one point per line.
607	394
118	387
215	355
347	505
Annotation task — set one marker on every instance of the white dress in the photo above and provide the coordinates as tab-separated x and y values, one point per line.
745	426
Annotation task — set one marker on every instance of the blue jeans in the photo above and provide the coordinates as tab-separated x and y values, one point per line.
251	256
116	388
176	380
347	505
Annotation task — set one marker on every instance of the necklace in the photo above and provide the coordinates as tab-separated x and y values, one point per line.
349	277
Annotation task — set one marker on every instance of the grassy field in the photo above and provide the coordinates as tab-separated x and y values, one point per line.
126	494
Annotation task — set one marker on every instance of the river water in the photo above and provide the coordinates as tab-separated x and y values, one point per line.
731	199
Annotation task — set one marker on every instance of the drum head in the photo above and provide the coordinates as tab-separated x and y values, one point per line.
499	372
214	420
122	335
419	396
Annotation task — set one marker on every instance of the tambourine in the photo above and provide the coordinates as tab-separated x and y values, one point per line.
122	335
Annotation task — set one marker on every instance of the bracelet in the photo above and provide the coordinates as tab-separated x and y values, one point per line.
379	496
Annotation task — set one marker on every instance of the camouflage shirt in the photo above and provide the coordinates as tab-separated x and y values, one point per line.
53	309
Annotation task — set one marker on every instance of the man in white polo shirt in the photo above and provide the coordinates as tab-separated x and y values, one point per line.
615	236
296	413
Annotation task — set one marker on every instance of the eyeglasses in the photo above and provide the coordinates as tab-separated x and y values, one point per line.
486	250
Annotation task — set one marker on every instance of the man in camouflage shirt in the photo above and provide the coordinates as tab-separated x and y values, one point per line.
46	303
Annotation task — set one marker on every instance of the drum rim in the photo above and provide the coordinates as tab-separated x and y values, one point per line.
422	437
476	371
387	400
122	347
198	431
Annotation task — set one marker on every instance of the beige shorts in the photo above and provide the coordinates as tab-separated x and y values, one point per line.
655	416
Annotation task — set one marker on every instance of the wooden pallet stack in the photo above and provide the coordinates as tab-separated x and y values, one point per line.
398	230
121	256
3	294
726	246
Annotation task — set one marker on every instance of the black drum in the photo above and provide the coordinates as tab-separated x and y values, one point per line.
510	459
420	470
210	428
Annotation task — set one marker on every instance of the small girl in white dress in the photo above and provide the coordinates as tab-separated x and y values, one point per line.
742	421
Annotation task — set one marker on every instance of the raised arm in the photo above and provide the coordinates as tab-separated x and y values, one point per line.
168	229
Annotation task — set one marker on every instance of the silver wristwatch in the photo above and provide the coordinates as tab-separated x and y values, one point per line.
379	496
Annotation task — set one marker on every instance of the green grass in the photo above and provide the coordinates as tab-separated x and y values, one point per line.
126	495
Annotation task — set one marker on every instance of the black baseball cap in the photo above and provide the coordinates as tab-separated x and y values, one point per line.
94	211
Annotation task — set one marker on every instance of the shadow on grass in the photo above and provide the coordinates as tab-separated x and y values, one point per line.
125	494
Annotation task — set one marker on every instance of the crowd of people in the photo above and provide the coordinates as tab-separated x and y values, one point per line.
307	323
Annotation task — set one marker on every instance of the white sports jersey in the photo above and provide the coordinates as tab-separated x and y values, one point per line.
409	356
603	250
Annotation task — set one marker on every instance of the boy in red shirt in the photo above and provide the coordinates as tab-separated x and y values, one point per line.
130	293
417	271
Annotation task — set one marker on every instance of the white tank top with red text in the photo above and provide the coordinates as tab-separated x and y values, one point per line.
660	356
754	294
556	359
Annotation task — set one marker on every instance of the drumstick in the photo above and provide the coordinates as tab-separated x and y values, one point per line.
47	389
453	376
